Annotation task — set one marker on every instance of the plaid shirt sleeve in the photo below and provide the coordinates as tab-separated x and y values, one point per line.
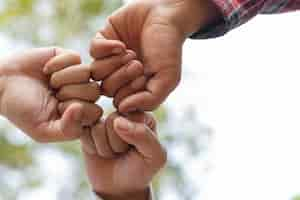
238	12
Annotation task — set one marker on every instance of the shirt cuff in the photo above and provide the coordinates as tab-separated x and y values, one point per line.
213	30
151	197
233	14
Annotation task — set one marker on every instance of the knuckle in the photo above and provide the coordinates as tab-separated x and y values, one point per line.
139	66
94	72
62	94
55	50
99	112
62	107
94	47
150	121
54	81
106	90
95	88
133	70
116	102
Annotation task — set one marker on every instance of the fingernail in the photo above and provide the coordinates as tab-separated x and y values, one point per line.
45	70
124	124
117	50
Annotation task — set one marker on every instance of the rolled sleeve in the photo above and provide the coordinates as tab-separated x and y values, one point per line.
237	12
151	197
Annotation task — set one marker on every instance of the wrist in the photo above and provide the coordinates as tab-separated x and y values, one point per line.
137	195
191	15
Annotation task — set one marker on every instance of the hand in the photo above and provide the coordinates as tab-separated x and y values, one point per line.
28	101
121	72
155	30
127	175
72	85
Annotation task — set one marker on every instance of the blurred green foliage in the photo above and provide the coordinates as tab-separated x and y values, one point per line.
14	156
71	24
296	197
52	22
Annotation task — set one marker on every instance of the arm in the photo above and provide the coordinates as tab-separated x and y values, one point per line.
126	176
29	103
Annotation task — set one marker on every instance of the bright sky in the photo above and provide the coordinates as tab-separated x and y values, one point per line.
246	87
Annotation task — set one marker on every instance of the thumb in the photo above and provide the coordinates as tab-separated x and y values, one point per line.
71	120
68	127
142	138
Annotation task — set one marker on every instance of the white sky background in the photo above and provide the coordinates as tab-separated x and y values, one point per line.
246	86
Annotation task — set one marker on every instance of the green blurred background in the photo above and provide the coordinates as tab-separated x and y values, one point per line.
32	171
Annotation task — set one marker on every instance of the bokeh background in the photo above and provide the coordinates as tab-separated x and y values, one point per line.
34	171
231	128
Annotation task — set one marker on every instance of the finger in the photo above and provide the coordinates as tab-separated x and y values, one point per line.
101	47
120	78
71	75
130	89
144	118
143	139
37	57
68	127
104	67
108	31
85	92
163	67
100	138
116	143
157	90
90	113
63	59
88	144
